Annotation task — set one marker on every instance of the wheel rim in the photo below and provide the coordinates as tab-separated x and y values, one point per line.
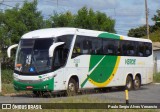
71	87
136	83
129	84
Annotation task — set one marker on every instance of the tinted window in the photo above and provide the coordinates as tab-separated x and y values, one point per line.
106	46
87	45
109	46
141	49
148	49
131	48
61	52
96	46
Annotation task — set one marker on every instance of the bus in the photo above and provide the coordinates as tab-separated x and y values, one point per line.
73	59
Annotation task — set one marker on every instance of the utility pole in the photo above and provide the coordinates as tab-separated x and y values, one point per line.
57	3
146	10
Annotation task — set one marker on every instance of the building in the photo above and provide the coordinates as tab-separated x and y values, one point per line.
156	55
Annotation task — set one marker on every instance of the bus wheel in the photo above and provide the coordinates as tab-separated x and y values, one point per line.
137	83
72	87
129	83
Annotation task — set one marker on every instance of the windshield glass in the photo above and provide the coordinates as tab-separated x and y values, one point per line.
32	56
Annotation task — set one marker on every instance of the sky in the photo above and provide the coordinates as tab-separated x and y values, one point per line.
127	13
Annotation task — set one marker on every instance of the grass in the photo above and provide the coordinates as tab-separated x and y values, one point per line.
7	88
7	82
7	76
156	78
155	36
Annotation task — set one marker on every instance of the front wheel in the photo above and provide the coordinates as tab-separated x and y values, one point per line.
72	87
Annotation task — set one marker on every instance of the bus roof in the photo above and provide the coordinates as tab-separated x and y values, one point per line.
55	32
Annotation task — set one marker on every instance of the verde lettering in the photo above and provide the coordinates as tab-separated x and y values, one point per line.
130	61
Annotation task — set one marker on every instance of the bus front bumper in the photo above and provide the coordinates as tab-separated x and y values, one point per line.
41	86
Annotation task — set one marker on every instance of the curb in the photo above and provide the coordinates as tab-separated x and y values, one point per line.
156	83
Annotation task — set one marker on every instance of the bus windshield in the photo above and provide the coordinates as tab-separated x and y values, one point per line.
32	56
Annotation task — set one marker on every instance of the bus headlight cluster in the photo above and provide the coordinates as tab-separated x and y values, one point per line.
16	79
47	78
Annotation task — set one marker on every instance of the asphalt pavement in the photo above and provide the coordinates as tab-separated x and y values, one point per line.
147	94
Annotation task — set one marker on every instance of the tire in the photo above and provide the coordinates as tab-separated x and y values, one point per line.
72	87
137	83
129	83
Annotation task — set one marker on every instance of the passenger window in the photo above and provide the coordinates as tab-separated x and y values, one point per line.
96	46
77	50
87	46
59	58
124	48
66	48
148	49
141	49
108	47
131	49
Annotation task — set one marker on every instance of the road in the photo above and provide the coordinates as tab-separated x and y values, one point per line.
147	94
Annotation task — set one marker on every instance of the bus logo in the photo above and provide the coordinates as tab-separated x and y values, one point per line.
130	61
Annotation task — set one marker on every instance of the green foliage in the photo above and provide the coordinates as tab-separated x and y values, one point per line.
137	32
156	77
62	20
156	19
142	30
85	18
17	21
7	76
155	36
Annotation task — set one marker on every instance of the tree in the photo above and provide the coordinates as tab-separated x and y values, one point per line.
142	30
17	21
85	18
156	19
138	32
63	19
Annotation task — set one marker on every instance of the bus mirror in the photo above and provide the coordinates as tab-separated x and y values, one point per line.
10	48
52	48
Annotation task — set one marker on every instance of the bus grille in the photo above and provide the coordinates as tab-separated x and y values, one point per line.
30	81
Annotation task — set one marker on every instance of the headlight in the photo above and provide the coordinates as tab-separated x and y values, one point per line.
47	78
16	79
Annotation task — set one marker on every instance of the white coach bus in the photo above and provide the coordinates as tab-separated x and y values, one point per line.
72	59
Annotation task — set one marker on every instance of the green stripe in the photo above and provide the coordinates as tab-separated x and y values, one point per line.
104	69
84	82
109	35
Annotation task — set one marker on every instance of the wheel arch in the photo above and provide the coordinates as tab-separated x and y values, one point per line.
75	77
130	74
138	75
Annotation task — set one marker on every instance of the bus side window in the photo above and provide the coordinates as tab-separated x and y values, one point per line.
109	47
66	48
141	48
96	46
124	48
118	49
77	49
58	59
148	49
87	46
131	49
